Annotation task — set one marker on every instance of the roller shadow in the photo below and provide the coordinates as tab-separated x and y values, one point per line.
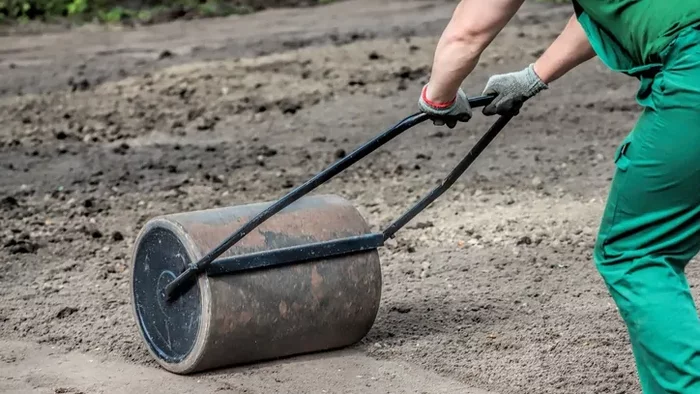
395	324
416	319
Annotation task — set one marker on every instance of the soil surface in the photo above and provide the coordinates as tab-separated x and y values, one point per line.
492	286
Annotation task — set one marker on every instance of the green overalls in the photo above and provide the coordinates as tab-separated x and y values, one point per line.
650	228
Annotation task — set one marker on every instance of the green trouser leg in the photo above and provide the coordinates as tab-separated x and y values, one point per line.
651	225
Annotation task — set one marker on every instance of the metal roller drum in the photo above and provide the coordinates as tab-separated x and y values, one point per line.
231	318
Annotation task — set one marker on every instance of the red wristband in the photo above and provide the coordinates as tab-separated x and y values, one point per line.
436	104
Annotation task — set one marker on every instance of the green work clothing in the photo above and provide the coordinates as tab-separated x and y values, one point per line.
643	27
650	227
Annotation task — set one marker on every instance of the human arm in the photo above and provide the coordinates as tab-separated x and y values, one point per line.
570	49
474	24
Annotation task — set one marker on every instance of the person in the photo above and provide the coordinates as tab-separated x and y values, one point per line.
650	227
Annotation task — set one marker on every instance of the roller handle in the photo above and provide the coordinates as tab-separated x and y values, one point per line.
451	178
320	178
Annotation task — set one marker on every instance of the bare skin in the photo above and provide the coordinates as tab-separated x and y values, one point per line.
570	49
474	25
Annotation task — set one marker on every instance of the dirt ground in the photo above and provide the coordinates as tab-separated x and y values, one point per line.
492	287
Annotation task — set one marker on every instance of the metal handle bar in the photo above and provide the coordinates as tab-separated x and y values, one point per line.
337	167
451	177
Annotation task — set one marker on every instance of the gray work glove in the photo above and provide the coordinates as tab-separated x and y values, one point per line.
446	114
512	90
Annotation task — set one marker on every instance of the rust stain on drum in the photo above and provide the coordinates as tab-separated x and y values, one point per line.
283	309
245	317
316	283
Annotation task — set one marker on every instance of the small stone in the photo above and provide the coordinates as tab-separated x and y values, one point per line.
21	246
401	309
267	151
524	240
165	54
422	225
117	236
537	182
8	203
121	149
340	153
65	311
80	85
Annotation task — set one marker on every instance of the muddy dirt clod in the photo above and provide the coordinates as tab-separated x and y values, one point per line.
267	151
9	203
524	240
81	84
401	309
165	54
65	312
117	236
121	149
21	246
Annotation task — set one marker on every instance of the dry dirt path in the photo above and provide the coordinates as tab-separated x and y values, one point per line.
492	287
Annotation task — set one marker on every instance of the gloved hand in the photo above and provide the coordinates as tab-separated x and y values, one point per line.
512	90
446	113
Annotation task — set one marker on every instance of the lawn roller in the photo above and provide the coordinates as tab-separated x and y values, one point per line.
241	284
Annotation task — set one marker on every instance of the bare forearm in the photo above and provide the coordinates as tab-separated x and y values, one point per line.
474	24
569	50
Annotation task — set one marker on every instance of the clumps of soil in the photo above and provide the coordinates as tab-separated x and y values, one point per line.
195	99
21	246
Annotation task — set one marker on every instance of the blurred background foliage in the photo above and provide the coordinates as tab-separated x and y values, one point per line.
142	11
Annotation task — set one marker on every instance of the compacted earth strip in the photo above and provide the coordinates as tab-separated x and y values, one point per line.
491	287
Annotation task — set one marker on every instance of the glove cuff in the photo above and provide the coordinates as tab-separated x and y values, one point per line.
535	84
434	104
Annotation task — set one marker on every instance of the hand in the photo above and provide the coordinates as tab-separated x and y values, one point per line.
512	90
458	110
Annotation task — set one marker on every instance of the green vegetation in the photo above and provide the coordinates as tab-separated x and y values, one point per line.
141	11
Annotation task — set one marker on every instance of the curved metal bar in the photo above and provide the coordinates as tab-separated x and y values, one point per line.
451	177
194	269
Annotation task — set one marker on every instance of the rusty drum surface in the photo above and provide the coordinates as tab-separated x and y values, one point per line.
253	315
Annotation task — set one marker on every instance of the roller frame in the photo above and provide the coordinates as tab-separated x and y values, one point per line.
277	257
